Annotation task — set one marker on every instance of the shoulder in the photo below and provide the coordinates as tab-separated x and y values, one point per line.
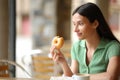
113	44
113	48
109	43
79	43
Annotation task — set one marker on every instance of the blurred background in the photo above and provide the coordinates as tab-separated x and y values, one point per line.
28	26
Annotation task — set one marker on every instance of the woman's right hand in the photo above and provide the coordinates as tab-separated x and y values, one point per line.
59	58
57	55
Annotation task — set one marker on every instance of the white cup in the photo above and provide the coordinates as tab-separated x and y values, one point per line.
81	77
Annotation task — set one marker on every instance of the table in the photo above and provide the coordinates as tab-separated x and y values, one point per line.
19	79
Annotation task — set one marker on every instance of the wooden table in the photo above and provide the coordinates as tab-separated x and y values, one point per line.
19	79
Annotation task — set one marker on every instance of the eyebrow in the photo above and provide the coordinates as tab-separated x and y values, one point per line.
78	20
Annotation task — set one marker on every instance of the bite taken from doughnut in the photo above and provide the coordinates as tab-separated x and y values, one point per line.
58	42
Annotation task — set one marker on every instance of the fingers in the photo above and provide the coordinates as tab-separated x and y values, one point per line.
55	57
56	54
58	57
52	50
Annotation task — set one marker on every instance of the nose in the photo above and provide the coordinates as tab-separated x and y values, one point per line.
76	29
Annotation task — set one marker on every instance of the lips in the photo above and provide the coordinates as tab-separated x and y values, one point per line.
79	34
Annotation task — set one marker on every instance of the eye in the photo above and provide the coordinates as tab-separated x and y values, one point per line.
74	24
81	23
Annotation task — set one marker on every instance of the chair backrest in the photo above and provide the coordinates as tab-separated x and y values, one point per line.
4	68
43	66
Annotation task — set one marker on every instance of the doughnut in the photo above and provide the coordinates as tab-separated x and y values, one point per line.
58	42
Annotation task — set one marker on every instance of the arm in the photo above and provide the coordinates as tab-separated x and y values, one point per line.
112	73
59	58
74	66
69	71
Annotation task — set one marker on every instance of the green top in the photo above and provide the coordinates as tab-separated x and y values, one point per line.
105	50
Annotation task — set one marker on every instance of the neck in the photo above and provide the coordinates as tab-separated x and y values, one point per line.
92	42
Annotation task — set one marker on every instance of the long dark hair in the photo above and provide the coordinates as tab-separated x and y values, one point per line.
92	12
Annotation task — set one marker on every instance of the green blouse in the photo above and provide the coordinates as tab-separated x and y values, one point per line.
105	50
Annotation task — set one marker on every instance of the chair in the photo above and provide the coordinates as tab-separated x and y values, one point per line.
4	68
43	66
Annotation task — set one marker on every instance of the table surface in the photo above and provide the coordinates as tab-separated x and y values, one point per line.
19	79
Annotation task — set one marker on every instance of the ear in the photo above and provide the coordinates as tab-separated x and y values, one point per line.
95	24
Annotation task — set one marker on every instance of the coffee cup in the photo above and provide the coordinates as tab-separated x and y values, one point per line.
81	77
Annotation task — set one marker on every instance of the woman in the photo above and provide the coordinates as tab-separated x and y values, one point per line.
97	52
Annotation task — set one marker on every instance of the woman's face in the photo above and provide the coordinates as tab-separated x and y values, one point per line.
83	28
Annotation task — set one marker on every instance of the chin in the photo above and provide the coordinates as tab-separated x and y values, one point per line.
80	38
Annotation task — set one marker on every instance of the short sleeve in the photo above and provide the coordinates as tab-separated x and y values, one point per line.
114	49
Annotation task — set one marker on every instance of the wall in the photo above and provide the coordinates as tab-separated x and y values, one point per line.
4	29
63	18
